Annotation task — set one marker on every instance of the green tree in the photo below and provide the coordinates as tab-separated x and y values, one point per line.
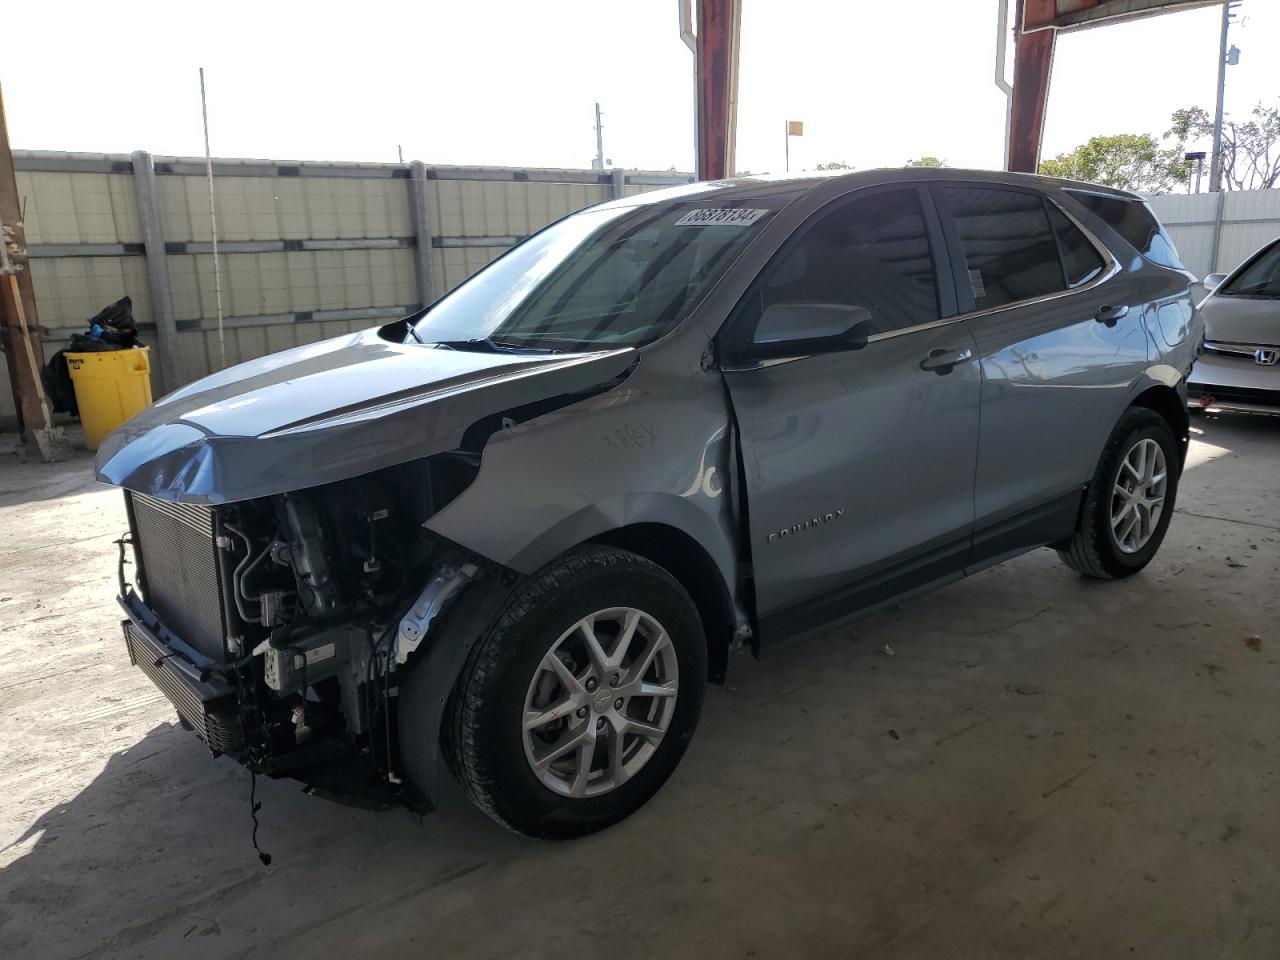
927	162
833	165
1250	150
1130	161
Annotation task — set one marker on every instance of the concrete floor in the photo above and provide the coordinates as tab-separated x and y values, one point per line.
1046	766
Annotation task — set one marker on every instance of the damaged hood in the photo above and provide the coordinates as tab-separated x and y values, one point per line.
330	411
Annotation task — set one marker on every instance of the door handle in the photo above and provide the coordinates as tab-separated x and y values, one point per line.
942	361
1110	315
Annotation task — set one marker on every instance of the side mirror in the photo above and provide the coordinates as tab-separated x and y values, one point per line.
803	329
1213	281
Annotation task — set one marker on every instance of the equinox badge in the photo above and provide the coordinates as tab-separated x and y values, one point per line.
805	525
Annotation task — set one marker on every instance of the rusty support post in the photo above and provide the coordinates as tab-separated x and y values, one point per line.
1032	66
25	395
717	58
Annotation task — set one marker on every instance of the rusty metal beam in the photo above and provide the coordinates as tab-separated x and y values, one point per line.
717	80
1079	14
1032	66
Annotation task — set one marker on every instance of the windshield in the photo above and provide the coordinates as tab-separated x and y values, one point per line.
1260	278
603	278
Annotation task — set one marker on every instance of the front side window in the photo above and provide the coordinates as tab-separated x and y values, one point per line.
1010	252
871	252
1261	278
600	279
1134	221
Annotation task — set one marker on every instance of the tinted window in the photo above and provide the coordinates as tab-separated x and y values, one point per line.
605	277
1134	221
870	252
1261	278
1009	249
1080	260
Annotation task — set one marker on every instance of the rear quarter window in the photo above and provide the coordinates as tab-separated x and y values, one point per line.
1135	222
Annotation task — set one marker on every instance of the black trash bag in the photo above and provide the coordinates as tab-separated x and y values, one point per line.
114	324
112	328
58	386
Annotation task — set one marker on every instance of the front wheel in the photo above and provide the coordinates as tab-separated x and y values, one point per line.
579	702
1129	502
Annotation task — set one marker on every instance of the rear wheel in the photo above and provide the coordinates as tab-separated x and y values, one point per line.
1129	501
579	702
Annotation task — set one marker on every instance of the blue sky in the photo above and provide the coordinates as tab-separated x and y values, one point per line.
513	83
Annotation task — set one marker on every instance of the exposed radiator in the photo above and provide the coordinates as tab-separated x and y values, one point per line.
208	707
180	571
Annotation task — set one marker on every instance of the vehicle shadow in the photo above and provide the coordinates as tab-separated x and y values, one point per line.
152	856
137	862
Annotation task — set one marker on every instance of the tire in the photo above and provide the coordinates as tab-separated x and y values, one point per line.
486	744
1096	550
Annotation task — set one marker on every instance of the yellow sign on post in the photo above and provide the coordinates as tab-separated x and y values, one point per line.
795	128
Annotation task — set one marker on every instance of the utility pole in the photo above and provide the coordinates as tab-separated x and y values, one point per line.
213	224
1225	54
22	347
598	163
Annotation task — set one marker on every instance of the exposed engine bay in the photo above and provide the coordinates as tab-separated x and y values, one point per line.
321	593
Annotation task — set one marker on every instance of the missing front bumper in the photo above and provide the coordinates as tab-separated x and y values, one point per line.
205	704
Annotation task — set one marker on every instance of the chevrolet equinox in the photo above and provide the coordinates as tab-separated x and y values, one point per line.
512	535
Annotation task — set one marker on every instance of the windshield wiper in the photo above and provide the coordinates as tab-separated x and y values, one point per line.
489	345
412	331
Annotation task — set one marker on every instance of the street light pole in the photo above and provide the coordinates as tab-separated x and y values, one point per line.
599	161
1215	165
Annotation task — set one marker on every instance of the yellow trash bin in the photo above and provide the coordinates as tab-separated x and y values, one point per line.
111	387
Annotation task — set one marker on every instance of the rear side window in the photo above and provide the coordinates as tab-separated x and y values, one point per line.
1080	260
1010	251
872	251
1134	221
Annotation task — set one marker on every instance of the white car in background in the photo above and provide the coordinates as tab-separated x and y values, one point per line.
1239	368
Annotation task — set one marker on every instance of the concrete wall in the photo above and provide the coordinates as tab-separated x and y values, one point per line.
1215	232
307	250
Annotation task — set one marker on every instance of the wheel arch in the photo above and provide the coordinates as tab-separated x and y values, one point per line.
688	561
1166	401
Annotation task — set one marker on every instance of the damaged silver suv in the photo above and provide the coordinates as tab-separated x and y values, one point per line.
516	533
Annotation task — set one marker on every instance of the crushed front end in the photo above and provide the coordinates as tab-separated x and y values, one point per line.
274	625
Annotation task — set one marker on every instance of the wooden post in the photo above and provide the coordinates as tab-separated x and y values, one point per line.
26	396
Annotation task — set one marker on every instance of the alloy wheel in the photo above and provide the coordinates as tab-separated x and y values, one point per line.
1137	498
600	702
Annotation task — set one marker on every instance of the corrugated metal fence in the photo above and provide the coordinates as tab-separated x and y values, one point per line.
1215	232
308	250
314	250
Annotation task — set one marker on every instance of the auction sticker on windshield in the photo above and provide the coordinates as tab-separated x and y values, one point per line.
720	217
